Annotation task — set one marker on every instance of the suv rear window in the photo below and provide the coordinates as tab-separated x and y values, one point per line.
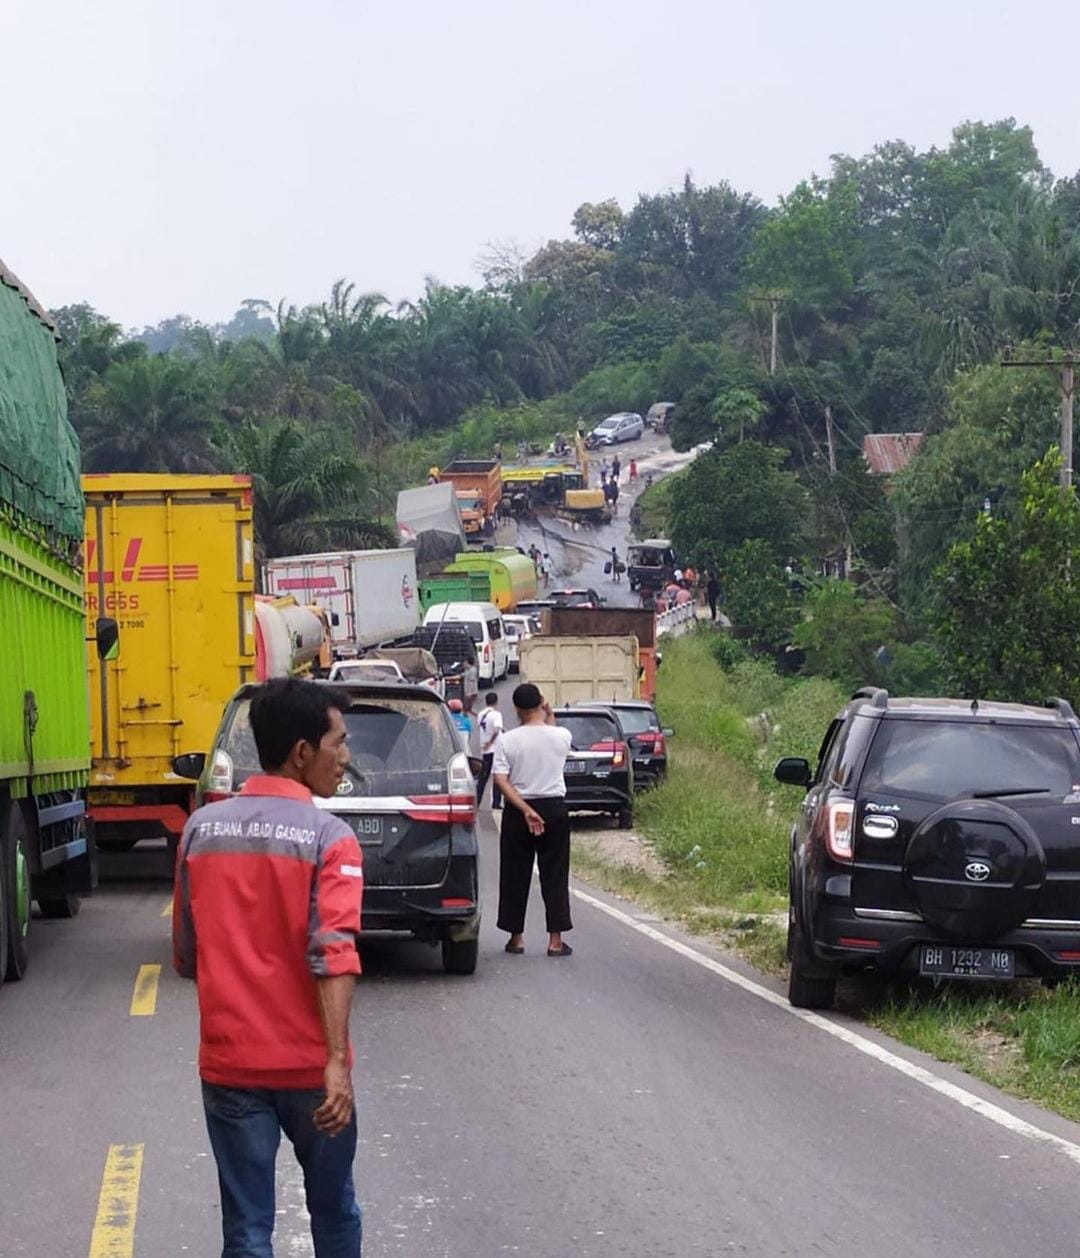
588	728
944	759
637	720
391	740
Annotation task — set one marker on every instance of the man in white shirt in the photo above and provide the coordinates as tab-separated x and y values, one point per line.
490	727
528	767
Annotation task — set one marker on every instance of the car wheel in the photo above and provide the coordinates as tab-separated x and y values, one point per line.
459	956
625	818
807	991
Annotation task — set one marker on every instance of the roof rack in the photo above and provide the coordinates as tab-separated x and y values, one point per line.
878	697
1063	706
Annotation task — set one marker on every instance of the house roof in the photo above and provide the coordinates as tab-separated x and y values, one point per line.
890	452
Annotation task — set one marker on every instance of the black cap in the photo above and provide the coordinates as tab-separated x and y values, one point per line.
527	697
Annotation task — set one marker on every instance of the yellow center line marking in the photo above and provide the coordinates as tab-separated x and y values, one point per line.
144	997
167	910
118	1204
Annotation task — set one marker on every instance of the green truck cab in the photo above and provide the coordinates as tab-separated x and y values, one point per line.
46	850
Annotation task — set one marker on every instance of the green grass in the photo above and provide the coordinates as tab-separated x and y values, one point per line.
720	826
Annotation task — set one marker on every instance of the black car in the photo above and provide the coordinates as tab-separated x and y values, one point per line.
645	735
408	795
599	771
938	837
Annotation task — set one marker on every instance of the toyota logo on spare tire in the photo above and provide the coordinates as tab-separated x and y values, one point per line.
977	871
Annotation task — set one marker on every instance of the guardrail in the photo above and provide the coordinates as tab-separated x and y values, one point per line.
676	619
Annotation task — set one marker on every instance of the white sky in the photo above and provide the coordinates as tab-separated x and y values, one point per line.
159	157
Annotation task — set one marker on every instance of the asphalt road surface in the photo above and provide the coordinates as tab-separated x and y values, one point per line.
648	1096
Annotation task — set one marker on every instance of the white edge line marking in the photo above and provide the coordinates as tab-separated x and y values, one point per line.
927	1078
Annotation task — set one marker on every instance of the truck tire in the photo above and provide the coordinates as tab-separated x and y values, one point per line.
59	906
15	871
6	808
459	956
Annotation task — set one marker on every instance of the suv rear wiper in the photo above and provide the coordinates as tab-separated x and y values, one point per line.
1012	790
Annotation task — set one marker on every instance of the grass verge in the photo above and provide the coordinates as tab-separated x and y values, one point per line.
715	848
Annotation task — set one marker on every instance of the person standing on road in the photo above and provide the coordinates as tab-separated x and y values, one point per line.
616	468
616	566
604	471
266	910
529	764
462	719
614	497
545	568
633	470
491	726
712	590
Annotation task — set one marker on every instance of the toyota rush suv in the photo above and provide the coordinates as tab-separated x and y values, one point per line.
408	795
644	734
938	837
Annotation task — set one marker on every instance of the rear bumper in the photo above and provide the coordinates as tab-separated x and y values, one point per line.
423	911
604	795
894	946
649	771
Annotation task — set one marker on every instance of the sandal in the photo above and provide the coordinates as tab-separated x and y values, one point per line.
514	949
564	950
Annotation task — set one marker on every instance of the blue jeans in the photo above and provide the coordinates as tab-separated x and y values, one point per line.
245	1126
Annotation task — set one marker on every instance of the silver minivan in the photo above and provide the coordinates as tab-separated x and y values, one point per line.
626	426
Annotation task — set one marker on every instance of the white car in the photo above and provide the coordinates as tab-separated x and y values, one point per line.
518	629
366	670
626	426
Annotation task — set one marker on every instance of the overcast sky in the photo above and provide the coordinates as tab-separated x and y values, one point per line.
172	157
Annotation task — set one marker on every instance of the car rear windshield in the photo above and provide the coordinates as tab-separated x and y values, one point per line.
637	720
392	743
367	672
588	728
944	759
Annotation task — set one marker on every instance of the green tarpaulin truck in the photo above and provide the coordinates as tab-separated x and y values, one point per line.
46	852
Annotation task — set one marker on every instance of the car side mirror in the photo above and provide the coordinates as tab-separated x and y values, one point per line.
107	636
793	771
189	765
668	732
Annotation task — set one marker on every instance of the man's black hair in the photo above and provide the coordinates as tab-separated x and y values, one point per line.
286	711
491	698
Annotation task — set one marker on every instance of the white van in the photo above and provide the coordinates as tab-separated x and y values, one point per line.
485	625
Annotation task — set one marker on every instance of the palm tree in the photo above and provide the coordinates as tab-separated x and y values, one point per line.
311	493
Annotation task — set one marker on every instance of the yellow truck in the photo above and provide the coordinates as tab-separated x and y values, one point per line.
172	559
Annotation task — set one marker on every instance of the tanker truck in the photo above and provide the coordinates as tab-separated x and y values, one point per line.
46	846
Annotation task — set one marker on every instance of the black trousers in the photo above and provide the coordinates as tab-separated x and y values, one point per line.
551	851
482	781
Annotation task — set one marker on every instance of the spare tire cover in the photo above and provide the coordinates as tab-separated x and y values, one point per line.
975	868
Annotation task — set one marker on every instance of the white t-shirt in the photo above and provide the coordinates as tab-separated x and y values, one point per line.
491	726
533	757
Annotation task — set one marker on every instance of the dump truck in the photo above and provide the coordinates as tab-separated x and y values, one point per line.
172	558
511	575
600	622
478	488
370	595
455	587
429	523
46	844
569	669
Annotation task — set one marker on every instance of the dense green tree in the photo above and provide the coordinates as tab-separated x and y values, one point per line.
842	632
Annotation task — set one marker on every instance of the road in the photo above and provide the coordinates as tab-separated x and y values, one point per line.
649	1096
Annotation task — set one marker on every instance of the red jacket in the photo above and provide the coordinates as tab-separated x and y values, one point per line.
267	900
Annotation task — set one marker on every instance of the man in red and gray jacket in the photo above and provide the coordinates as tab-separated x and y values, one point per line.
266	912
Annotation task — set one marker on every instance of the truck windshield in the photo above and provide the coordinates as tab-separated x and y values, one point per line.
944	759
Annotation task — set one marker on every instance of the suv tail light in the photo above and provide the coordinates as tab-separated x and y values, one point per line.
617	751
840	829
487	651
458	808
652	741
220	783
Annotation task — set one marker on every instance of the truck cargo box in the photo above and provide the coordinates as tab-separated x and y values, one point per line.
512	575
172	558
568	669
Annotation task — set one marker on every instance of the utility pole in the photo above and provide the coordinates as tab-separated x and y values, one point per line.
829	440
1063	362
773	300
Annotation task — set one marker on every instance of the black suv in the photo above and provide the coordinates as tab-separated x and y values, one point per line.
408	795
599	771
938	837
645	735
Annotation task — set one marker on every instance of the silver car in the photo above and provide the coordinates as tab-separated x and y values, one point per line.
626	426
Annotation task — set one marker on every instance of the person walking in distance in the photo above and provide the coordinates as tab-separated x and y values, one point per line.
546	568
712	590
528	767
614	497
266	910
616	468
491	726
616	566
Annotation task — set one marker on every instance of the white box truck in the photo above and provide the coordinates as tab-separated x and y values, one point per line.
371	595
569	669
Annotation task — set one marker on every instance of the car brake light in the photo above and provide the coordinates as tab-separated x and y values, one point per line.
457	902
215	797
1069	955
221	775
619	758
457	808
840	829
487	650
847	941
